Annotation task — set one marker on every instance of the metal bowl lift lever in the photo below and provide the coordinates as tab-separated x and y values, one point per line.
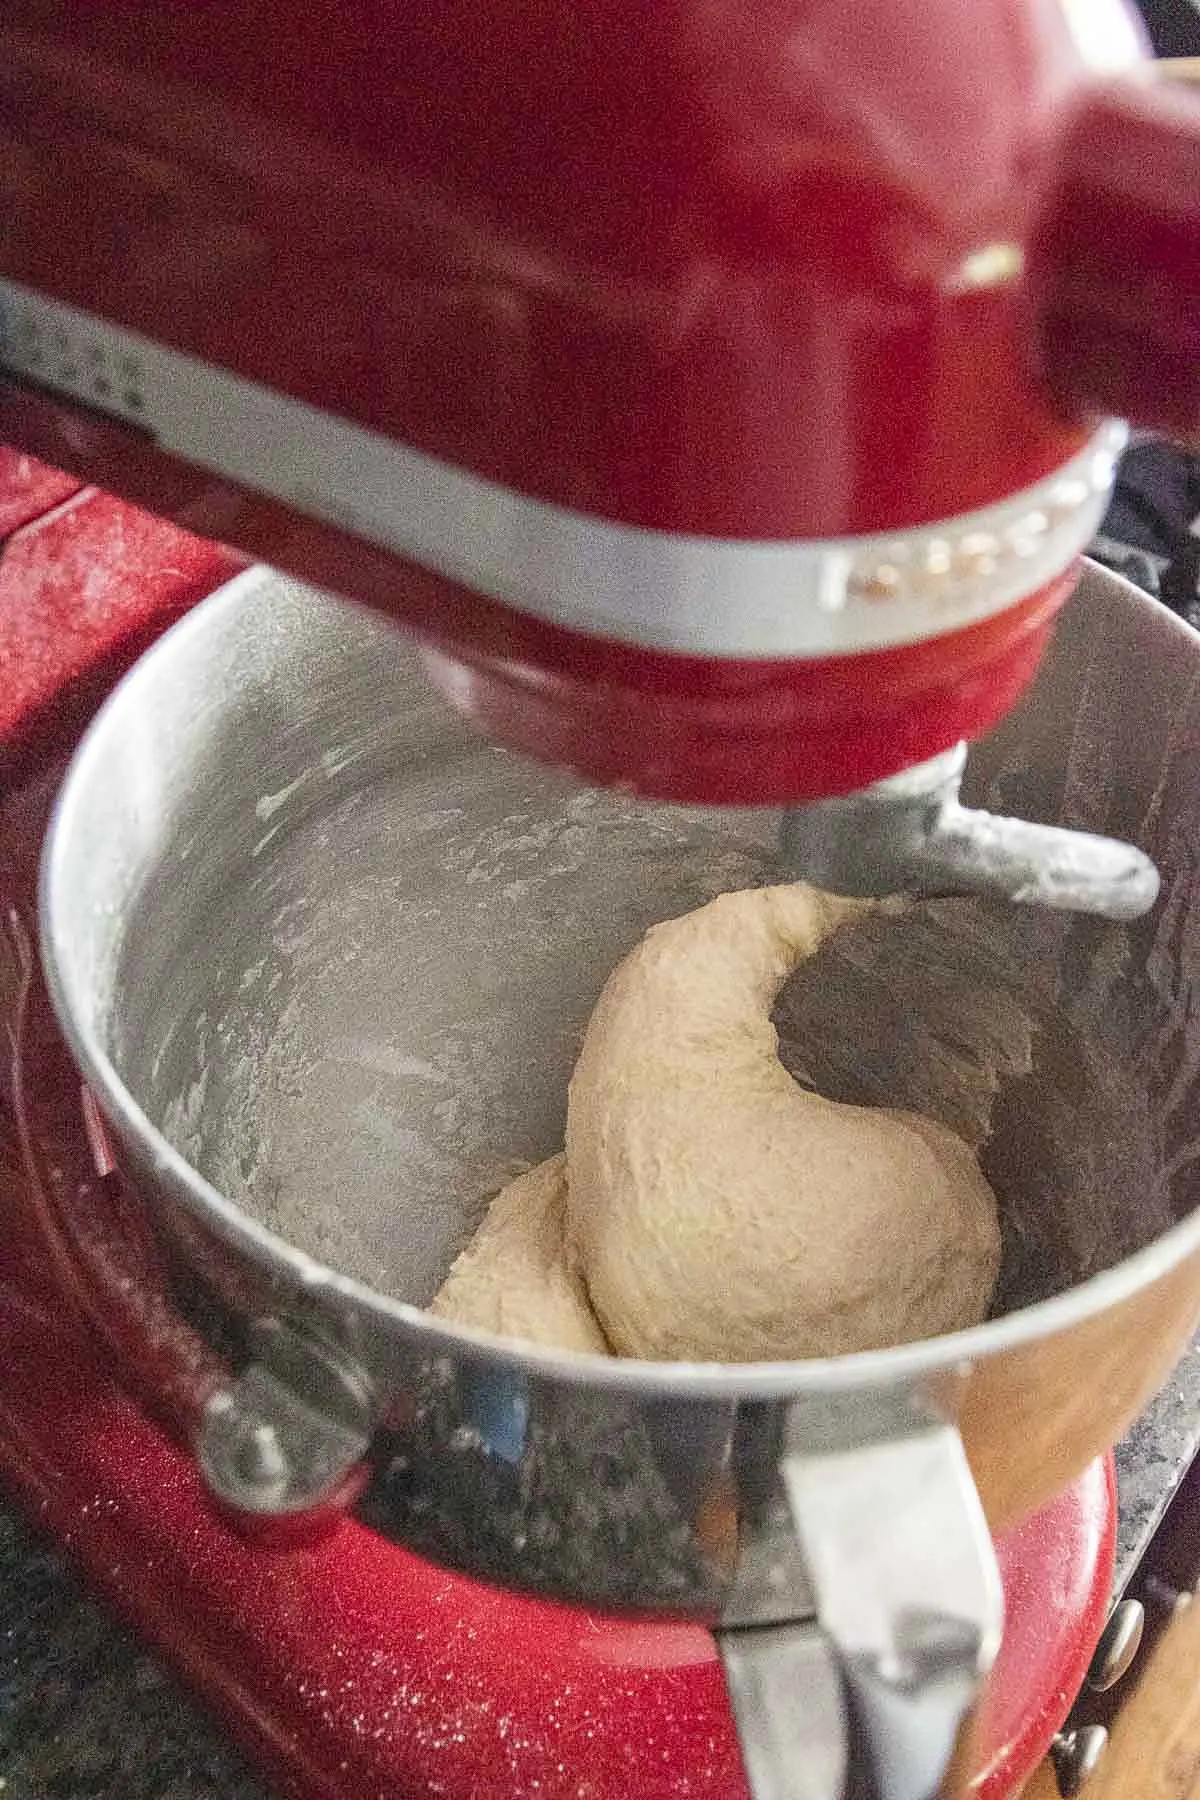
874	1701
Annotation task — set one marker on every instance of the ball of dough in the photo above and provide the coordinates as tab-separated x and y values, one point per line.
719	1211
513	1277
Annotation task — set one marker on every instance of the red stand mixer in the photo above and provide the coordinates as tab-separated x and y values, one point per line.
717	393
342	1667
721	398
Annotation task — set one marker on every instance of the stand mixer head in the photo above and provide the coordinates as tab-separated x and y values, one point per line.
717	395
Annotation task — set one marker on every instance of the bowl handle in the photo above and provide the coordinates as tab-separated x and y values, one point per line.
874	1699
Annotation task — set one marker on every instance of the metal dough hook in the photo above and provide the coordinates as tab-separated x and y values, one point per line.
910	834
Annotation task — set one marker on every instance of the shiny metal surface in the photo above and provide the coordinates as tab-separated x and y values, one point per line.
788	1699
910	833
1076	1756
876	1700
326	960
284	1436
1118	1646
907	1592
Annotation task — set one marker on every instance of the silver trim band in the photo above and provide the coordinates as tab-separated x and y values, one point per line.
670	591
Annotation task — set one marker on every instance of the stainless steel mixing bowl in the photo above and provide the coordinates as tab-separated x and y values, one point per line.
325	959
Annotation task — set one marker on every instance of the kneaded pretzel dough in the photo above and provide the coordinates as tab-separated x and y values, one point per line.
719	1210
513	1277
714	1209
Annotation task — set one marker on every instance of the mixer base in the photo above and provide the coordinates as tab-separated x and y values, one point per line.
350	1669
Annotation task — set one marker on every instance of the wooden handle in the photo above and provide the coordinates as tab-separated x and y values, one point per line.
1154	1749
